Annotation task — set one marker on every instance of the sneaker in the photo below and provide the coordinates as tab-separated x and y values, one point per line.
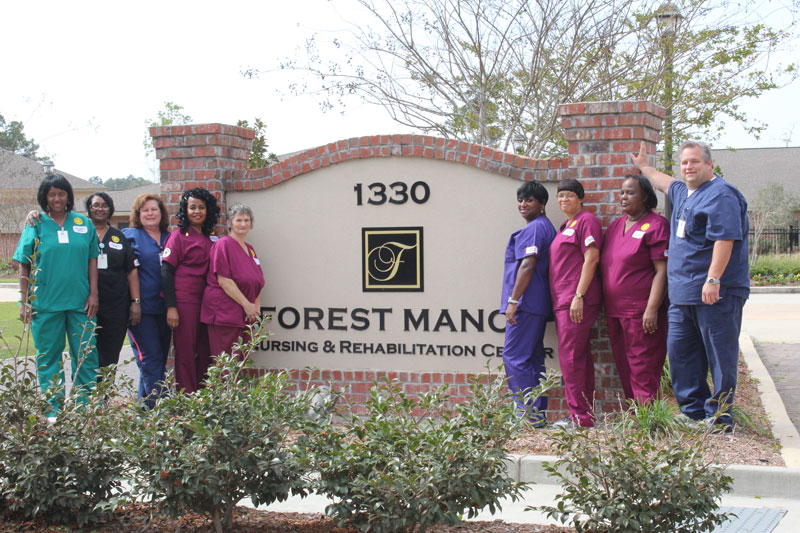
564	423
714	425
687	420
538	422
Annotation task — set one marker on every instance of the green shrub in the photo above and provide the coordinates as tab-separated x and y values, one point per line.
656	417
618	478
67	472
208	450
771	269
411	463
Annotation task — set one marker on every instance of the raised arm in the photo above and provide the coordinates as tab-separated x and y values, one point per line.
658	180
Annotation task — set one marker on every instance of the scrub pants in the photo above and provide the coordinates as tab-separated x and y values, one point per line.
703	337
48	330
112	323
222	338
150	345
577	366
523	355
639	356
192	353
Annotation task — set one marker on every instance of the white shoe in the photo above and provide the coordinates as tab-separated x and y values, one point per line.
564	423
51	420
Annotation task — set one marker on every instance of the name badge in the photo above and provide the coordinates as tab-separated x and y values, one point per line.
257	261
569	232
80	229
213	238
115	245
102	261
681	231
63	237
637	234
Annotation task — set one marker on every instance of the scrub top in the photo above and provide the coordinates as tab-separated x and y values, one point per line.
189	251
626	263
229	260
112	281
716	211
62	282
531	241
566	260
147	258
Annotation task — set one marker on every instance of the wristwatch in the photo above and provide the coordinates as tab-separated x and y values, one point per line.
578	295
512	300
137	300
712	281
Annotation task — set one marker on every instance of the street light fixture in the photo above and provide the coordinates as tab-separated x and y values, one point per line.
668	18
49	167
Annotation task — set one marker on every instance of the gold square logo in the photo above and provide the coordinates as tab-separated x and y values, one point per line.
391	259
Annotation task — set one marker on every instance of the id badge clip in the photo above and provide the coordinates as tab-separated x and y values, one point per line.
102	261
63	237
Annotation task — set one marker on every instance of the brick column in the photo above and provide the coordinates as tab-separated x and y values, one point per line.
600	135
201	155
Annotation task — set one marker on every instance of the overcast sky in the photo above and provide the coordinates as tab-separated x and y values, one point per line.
84	77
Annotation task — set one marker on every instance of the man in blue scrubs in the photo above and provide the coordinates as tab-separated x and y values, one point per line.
709	282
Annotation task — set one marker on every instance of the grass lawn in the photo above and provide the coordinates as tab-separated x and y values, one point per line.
11	328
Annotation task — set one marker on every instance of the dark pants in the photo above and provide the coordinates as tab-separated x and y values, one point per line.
222	338
523	356
577	366
112	323
702	338
192	354
150	344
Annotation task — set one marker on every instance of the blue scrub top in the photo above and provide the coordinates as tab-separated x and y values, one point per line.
148	261
716	211
532	240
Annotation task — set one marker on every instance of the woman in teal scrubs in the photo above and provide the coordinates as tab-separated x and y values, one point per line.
64	249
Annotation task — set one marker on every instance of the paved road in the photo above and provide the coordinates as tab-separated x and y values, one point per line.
773	322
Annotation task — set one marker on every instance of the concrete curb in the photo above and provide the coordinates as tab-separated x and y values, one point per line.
782	427
775	289
752	481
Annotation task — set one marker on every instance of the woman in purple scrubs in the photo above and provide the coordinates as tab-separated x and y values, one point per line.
633	264
183	278
234	282
575	291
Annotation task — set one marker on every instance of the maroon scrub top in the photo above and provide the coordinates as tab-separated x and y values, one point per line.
188	251
566	260
229	260
626	263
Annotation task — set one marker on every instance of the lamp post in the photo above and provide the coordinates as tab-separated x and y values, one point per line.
49	167
668	18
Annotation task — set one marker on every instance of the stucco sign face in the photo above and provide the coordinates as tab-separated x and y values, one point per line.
401	271
392	259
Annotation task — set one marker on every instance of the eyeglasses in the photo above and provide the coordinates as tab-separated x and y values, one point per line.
99	206
564	195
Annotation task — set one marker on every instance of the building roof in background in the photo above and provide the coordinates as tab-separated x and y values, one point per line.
123	200
18	172
750	169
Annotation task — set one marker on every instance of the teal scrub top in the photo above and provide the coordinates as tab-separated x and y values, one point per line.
62	280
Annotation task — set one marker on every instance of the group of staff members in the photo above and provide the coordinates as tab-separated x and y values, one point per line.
93	283
558	274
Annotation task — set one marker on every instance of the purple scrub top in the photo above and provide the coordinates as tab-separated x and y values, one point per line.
531	241
626	263
229	260
188	252
566	260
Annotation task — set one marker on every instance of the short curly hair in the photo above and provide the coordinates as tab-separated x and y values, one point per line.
106	198
212	210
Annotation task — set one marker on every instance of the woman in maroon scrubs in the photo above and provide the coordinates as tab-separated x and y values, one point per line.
575	291
183	280
633	264
234	282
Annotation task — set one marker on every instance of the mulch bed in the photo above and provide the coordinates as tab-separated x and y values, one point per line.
143	518
747	446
